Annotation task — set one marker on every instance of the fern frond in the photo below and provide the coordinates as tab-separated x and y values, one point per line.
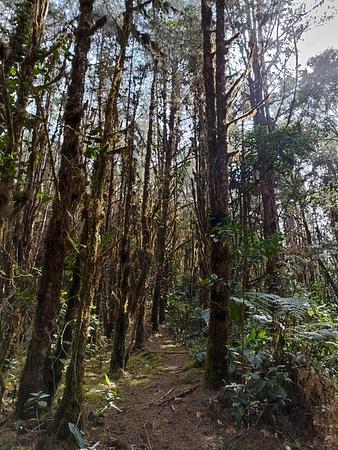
279	307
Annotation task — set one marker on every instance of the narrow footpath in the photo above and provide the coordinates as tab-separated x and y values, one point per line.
161	404
164	406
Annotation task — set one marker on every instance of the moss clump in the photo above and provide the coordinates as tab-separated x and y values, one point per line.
137	382
146	363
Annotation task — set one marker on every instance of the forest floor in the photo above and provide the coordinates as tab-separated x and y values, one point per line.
164	406
161	404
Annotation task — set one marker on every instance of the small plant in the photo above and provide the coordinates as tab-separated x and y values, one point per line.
258	391
111	394
37	401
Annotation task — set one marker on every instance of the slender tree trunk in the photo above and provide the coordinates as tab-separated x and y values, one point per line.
70	407
334	214
262	120
69	189
145	257
30	25
87	276
245	208
118	356
110	125
162	229
200	194
22	56
58	361
71	404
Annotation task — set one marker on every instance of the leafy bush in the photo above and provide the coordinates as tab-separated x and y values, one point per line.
258	391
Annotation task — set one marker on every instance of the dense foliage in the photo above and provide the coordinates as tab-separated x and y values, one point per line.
167	163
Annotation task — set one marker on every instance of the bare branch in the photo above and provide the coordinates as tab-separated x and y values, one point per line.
248	114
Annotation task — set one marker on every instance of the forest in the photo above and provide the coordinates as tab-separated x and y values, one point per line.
168	226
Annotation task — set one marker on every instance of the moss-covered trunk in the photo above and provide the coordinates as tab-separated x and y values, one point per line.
69	189
145	257
61	354
118	357
23	53
162	227
21	57
70	408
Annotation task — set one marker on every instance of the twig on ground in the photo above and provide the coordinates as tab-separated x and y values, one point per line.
147	436
170	390
182	369
180	395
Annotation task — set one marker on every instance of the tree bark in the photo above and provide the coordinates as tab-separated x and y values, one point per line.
69	189
262	120
30	26
162	228
145	257
72	400
214	86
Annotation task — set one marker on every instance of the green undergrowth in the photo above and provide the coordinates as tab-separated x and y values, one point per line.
281	355
146	363
193	373
104	392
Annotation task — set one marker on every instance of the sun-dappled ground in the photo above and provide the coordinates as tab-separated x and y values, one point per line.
161	404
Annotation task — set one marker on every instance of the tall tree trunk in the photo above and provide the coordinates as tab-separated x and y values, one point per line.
30	25
162	228
145	257
70	407
245	208
93	220
69	189
118	356
23	54
124	250
72	400
262	120
214	85
200	193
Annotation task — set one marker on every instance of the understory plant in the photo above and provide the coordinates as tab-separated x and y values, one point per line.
274	341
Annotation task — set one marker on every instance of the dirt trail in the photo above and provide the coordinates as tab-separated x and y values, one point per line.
162	405
171	411
161	413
